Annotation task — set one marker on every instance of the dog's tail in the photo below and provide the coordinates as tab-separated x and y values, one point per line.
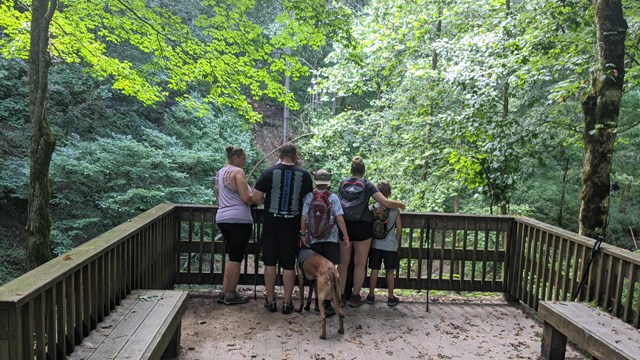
335	280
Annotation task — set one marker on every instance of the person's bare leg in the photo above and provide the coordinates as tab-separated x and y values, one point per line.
345	258
270	282
373	280
391	281
231	277
361	249
289	279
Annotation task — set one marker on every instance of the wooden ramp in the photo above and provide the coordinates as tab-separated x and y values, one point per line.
451	330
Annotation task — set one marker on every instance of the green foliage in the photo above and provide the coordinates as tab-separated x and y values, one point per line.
11	258
100	183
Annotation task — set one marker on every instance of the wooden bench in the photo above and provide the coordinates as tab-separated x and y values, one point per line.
146	325
601	335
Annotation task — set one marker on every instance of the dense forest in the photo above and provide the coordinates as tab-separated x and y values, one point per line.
464	106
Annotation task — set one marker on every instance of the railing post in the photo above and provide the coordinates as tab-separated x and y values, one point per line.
10	332
510	262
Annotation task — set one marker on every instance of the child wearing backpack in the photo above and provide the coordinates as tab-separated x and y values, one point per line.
321	210
387	233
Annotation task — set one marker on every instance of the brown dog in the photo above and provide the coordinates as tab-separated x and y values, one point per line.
316	267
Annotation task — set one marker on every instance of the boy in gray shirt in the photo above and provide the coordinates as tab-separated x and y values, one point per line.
385	249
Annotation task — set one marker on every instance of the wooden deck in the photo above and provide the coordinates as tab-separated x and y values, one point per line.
453	329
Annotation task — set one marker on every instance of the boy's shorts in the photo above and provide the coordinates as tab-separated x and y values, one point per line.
377	256
328	249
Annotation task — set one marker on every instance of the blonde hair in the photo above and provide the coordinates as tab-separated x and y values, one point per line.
357	166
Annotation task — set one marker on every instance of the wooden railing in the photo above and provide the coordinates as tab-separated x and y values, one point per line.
549	264
46	312
468	251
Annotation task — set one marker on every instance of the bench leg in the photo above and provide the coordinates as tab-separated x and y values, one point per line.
173	348
554	343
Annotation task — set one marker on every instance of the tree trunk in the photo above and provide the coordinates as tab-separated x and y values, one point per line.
601	108
42	140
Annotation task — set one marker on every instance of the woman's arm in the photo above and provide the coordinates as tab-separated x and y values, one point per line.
398	228
240	180
388	203
343	228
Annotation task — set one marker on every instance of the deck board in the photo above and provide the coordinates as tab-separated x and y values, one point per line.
451	330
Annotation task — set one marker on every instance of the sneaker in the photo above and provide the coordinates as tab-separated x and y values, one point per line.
271	305
328	309
356	300
221	298
287	308
393	301
235	299
371	299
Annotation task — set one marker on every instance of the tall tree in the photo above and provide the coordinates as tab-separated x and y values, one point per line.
601	108
42	140
216	44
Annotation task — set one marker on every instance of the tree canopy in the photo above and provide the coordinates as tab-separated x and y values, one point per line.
462	105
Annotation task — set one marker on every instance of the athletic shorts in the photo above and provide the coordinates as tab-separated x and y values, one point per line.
328	249
359	231
236	238
280	238
377	256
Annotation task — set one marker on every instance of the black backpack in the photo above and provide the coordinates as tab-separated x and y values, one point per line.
354	200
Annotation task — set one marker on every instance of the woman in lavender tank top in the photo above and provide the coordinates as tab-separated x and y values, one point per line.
234	220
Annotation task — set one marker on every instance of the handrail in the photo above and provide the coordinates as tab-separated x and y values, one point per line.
46	312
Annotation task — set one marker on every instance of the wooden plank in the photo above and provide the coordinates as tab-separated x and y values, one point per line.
157	329
628	307
565	293
556	267
28	329
617	296
61	310
50	321
475	252
544	278
113	343
463	262
86	301
39	326
597	332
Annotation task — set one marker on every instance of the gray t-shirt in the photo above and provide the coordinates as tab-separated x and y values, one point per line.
390	242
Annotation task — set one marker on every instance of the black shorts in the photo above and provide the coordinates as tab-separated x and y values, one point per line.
280	238
377	256
236	238
328	249
359	231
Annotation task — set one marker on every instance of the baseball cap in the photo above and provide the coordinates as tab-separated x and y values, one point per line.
323	177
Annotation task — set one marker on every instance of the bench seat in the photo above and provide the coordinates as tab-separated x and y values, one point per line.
146	325
595	331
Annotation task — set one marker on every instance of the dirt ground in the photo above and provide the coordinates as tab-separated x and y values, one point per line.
455	328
